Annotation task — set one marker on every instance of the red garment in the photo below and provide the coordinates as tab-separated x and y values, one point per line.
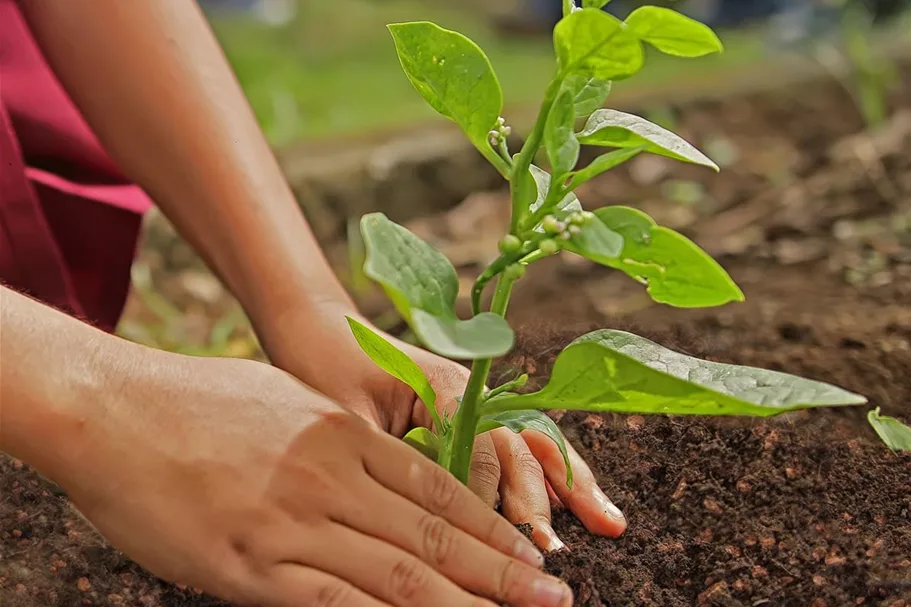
69	220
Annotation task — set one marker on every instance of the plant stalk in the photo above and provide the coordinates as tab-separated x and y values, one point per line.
468	415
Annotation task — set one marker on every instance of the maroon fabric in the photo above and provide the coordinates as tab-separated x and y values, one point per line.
69	220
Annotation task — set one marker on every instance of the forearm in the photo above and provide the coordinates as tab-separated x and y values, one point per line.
57	374
152	81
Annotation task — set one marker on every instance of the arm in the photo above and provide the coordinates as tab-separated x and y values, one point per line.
151	80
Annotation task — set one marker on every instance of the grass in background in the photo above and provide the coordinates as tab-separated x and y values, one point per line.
334	71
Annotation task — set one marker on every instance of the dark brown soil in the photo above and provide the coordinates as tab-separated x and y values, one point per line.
807	509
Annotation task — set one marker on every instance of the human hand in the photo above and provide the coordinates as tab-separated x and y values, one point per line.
526	472
233	477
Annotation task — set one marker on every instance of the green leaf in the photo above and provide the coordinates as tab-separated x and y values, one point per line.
594	3
673	33
592	43
517	421
596	241
424	441
567	205
396	363
452	74
589	93
424	286
560	136
612	128
602	163
896	435
676	271
617	371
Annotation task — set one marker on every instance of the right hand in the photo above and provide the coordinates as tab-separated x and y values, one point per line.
233	477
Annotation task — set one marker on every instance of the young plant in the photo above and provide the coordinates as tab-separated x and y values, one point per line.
605	370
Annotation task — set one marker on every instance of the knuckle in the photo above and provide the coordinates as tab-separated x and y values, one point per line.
485	464
442	489
438	539
526	464
508	579
333	594
408	580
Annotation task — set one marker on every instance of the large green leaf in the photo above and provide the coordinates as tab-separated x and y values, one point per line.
592	43
602	163
560	136
589	93
424	286
452	74
424	441
896	435
613	128
676	271
394	362
617	371
517	421
673	33
596	241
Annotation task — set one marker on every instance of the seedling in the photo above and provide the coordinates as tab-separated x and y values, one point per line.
605	370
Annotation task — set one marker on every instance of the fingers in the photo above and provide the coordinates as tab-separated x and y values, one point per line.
401	470
484	480
523	488
585	499
382	570
465	560
293	585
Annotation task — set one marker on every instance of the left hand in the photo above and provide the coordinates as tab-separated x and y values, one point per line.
525	471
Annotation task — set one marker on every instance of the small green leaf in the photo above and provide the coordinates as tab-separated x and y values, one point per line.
559	134
612	128
589	93
596	241
452	74
594	3
592	43
424	286
396	363
424	441
896	435
517	421
569	203
617	371
603	163
673	33
676	271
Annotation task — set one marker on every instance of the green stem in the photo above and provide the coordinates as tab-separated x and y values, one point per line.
499	163
527	155
467	417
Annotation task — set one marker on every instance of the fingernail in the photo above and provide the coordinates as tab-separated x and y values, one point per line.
527	553
549	592
608	506
553	540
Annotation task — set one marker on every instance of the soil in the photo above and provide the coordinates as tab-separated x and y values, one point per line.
806	509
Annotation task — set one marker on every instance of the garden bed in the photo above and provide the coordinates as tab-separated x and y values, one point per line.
813	220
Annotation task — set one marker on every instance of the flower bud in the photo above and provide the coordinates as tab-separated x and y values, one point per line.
588	215
551	225
576	219
510	244
501	121
506	131
574	229
549	246
514	271
565	235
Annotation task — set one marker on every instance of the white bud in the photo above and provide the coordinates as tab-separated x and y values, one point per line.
574	229
565	235
506	131
501	121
